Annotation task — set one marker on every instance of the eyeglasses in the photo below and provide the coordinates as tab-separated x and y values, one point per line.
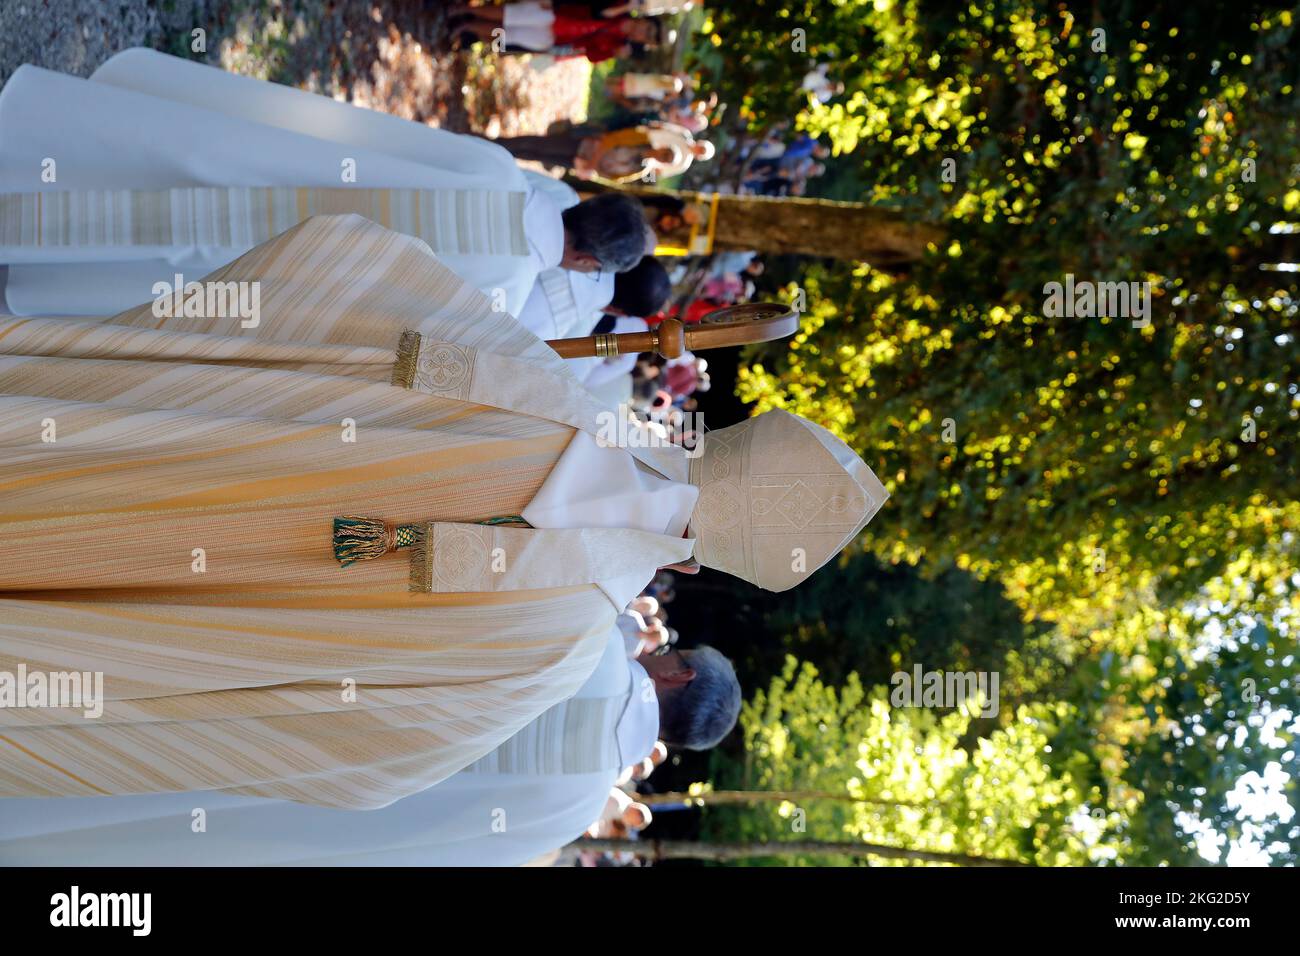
663	650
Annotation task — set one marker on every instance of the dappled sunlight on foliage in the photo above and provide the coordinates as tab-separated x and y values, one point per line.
909	779
1129	477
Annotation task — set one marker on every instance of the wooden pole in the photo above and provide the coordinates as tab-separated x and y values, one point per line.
857	232
724	797
727	852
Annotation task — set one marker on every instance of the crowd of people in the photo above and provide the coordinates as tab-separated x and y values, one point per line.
775	167
651	131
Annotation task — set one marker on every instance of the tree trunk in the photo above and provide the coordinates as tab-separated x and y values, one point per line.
818	227
715	798
725	852
810	227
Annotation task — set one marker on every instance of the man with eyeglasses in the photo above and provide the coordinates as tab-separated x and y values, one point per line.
567	302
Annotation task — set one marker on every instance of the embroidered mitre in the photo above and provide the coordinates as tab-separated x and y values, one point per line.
779	497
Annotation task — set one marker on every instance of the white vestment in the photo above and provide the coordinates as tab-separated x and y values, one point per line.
563	303
147	121
598	373
598	486
512	371
477	817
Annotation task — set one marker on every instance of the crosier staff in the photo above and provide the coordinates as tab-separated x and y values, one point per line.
731	325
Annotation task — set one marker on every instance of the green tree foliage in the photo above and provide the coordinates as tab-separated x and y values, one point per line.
875	620
1084	782
756	60
1180	709
1000	799
1085	458
1131	482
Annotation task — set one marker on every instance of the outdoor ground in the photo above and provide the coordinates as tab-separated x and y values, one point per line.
389	55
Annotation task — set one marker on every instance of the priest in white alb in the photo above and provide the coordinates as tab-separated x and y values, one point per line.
535	793
157	167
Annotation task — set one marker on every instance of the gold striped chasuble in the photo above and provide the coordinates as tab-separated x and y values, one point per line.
167	487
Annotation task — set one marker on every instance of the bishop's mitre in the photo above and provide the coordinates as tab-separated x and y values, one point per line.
779	497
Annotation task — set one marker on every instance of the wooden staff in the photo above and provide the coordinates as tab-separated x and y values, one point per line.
731	325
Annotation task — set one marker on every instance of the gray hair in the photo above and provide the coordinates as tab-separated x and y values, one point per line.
700	714
610	227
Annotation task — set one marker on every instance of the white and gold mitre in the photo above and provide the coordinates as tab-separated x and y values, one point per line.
779	497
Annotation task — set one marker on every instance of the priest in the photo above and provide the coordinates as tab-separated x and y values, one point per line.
535	793
156	167
562	299
340	554
566	302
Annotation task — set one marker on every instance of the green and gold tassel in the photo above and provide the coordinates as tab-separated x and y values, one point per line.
360	539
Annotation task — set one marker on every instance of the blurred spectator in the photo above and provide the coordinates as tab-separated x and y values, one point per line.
736	261
632	88
682	378
621	155
647	8
621	817
561	30
822	88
